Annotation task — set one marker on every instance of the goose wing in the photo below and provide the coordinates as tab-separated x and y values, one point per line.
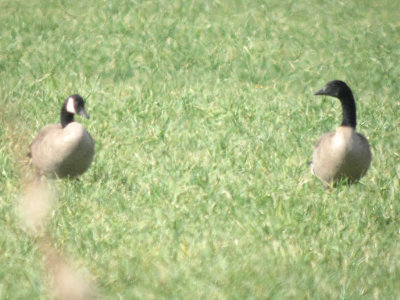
41	136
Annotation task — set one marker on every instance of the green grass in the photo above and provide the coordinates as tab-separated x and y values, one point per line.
204	120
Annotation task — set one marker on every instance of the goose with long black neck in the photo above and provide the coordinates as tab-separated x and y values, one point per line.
65	149
343	155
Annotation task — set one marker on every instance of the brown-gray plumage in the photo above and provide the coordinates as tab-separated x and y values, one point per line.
344	154
66	149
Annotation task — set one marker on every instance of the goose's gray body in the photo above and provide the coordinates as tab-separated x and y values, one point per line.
344	154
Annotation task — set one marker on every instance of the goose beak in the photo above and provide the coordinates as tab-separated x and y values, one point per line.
83	113
320	92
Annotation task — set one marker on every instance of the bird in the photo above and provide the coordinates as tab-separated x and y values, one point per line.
65	149
343	155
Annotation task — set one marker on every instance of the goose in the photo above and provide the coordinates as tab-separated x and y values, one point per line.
66	149
344	154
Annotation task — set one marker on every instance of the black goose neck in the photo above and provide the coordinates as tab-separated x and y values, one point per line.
65	116
349	110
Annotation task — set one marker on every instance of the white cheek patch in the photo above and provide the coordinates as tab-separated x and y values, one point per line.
70	106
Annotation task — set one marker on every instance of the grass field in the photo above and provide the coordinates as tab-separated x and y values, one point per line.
204	120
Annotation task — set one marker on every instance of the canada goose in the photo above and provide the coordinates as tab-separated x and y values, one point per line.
344	154
66	149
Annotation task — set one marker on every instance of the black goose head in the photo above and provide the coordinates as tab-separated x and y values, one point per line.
74	104
339	89
335	88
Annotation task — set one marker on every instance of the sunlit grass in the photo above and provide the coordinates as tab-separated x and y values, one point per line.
204	121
